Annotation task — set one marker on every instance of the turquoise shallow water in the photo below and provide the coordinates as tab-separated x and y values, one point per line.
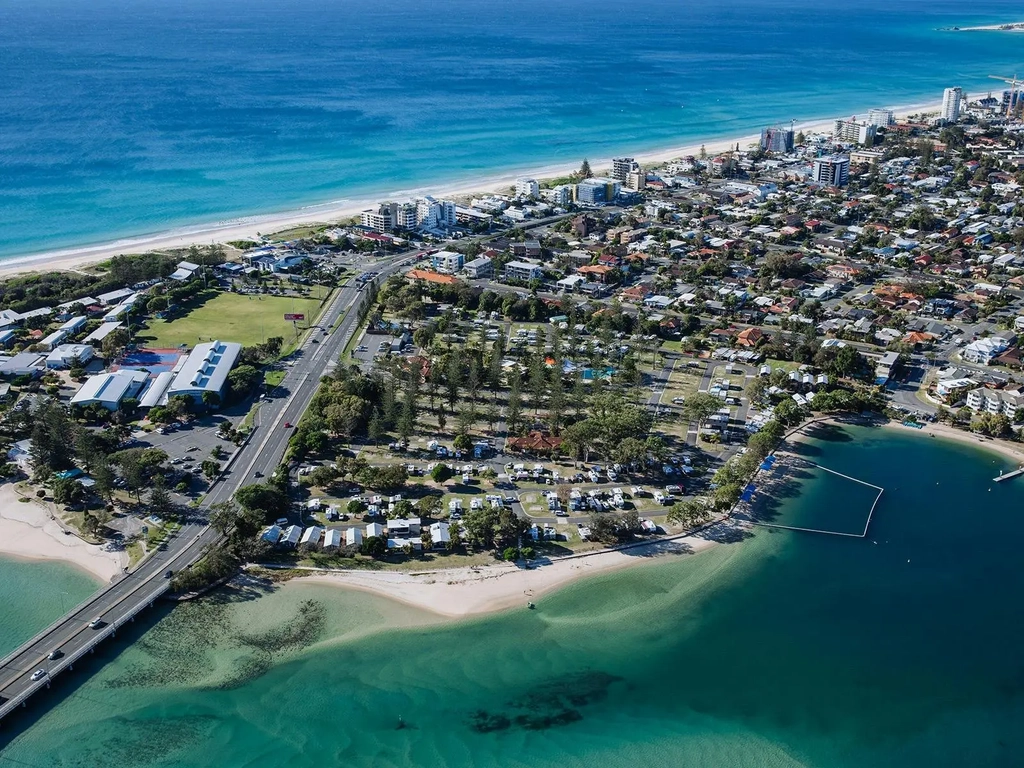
33	594
124	119
783	650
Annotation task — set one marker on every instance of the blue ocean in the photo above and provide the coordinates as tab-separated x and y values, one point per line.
130	117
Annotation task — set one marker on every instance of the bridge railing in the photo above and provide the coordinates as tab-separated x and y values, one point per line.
68	661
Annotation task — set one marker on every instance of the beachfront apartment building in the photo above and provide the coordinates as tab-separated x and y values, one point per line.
881	118
523	270
435	214
831	171
622	167
597	190
388	217
778	140
854	132
561	195
952	102
1007	403
527	188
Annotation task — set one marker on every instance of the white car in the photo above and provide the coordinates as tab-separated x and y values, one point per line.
39	674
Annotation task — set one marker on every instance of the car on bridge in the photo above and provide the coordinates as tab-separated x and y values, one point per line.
39	674
97	623
55	654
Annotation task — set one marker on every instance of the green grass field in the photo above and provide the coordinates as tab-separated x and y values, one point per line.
232	317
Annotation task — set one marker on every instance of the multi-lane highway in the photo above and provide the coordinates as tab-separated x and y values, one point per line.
119	602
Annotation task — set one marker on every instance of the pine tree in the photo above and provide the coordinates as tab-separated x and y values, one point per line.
585	172
160	502
375	429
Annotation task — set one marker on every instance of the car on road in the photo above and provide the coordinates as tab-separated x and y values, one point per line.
168	574
287	425
39	674
97	623
55	654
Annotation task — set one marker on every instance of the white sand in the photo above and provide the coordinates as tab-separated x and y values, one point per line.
461	592
27	530
249	227
1012	451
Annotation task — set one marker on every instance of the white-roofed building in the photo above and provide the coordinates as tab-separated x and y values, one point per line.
117	311
114	297
291	536
72	325
984	351
353	537
53	340
311	536
440	535
374	529
65	355
184	271
22	364
157	391
102	332
332	539
85	301
109	389
205	370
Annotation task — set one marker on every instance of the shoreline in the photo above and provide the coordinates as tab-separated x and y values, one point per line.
28	533
1004	448
247	227
465	592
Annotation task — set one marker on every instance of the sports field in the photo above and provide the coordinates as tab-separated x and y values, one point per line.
232	317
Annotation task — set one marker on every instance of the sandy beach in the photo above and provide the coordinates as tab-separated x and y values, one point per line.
27	531
249	227
463	592
1012	451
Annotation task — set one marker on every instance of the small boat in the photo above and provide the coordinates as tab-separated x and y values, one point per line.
531	606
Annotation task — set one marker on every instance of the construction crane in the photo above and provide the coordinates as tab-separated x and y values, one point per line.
1015	93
